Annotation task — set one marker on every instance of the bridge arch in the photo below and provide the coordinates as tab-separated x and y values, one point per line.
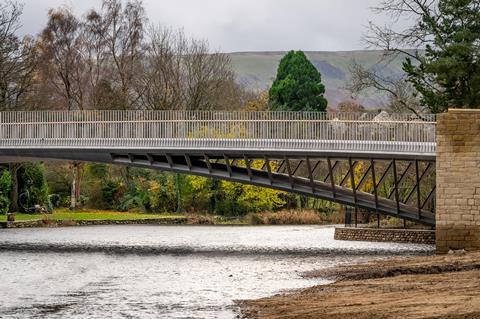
313	154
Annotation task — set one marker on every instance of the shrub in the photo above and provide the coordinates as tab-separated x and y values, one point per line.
287	217
200	220
32	182
109	189
58	180
135	201
162	196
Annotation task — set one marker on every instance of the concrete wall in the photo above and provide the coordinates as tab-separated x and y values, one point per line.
458	181
386	235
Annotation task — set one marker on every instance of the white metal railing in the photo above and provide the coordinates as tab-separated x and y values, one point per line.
397	133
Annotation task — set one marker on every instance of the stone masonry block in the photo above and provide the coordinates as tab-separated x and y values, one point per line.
458	180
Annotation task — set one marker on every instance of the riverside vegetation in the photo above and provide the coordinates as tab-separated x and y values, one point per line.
116	193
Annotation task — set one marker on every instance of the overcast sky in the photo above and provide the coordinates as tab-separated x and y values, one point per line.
245	25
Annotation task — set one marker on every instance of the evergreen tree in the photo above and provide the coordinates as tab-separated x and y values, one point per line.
448	74
297	86
442	61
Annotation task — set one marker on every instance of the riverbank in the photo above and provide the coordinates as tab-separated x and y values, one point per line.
88	214
65	217
415	287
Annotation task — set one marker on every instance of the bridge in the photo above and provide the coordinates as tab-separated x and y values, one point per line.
383	164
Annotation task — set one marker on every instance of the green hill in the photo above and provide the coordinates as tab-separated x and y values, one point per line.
257	70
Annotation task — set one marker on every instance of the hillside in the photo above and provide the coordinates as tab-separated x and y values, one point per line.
256	70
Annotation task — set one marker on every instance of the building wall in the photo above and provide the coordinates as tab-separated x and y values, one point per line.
458	181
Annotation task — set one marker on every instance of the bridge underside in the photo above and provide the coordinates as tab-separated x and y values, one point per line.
389	184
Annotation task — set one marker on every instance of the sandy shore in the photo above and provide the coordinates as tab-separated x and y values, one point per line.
419	287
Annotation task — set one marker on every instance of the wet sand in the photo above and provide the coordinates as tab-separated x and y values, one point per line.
417	287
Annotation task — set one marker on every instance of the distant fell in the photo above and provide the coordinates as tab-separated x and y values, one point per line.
257	70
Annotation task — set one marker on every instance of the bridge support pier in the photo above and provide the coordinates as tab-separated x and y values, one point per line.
458	181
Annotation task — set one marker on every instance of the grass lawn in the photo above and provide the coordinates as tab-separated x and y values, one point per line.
66	214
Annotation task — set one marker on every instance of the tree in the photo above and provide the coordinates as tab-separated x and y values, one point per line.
399	92
448	74
260	103
13	169
179	73
62	65
99	91
5	187
444	68
207	77
161	80
122	29
297	86
17	66
17	59
61	57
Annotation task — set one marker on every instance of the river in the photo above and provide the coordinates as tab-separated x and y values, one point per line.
165	271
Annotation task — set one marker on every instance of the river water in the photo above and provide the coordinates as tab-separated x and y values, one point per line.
165	271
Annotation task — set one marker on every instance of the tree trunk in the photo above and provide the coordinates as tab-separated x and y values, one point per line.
129	180
179	193
14	191
77	183
73	194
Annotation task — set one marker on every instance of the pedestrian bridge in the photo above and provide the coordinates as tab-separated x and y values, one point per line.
376	162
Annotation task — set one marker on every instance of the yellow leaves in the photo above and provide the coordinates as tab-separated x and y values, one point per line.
154	190
198	183
154	186
359	171
260	198
253	198
259	104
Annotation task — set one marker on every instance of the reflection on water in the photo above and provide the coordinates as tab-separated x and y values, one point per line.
164	271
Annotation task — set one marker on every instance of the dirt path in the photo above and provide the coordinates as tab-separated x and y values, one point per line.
421	287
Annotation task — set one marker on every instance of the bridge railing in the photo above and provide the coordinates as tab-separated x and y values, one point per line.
218	130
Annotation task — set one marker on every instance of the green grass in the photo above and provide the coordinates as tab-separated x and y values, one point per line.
65	214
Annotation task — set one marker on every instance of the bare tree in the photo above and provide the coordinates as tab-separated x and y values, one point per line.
17	59
160	84
60	53
182	73
95	55
63	67
393	39
17	65
400	93
205	76
123	33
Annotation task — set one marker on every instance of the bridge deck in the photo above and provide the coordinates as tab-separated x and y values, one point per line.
224	144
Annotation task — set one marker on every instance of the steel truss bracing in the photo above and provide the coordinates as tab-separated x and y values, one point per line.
402	188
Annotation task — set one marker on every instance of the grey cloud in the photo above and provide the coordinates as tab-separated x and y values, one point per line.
244	25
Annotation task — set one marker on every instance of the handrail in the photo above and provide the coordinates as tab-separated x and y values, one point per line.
219	129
